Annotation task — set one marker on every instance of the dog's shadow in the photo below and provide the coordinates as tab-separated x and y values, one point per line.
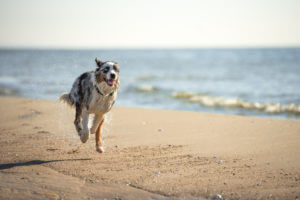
36	162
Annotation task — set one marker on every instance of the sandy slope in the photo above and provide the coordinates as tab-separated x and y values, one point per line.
150	154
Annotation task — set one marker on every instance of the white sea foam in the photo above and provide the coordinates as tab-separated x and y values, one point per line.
8	80
8	86
212	101
146	88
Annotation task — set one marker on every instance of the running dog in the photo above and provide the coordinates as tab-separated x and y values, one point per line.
93	92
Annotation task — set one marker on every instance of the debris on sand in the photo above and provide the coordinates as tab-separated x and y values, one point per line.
217	197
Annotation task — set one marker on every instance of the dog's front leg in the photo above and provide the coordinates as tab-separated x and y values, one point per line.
97	119
99	145
84	133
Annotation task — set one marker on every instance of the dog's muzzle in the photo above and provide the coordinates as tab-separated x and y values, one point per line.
111	80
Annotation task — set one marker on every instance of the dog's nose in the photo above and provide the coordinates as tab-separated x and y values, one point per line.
113	76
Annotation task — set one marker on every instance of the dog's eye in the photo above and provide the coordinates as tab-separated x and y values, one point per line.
116	69
106	69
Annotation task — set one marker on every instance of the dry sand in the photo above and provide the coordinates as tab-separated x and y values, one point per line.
150	154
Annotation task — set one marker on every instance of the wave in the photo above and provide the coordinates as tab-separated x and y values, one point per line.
146	88
7	80
146	78
8	86
5	91
212	101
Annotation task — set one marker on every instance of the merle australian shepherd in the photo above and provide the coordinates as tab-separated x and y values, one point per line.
93	92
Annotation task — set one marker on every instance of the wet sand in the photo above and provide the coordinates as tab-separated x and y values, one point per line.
149	154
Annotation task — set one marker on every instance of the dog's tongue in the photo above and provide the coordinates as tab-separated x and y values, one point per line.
111	81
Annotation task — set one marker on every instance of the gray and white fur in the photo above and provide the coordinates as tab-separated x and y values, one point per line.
93	92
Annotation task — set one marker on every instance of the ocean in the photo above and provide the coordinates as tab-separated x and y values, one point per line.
262	82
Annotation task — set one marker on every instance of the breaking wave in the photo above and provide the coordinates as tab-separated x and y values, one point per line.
8	86
146	88
212	101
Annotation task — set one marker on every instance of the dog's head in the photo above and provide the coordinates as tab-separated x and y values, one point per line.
107	71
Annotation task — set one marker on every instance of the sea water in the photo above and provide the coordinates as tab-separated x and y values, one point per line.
260	82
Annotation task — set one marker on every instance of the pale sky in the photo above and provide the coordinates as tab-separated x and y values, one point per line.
149	23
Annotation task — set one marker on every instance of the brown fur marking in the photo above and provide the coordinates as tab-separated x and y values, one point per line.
99	77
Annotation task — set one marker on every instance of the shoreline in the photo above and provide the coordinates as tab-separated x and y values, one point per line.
150	153
272	116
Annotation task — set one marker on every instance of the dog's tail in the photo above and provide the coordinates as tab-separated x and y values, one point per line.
66	98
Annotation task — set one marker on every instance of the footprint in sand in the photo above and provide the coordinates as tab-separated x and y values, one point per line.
29	115
43	132
25	124
52	149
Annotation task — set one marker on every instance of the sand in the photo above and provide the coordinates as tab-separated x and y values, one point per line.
149	154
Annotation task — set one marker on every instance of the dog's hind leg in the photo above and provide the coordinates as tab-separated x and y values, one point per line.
99	145
84	133
77	121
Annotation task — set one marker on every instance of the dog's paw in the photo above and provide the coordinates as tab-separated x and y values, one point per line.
99	149
84	135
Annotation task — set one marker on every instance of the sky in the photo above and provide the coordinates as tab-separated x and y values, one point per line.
149	23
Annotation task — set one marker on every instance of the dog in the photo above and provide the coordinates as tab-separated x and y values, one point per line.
93	92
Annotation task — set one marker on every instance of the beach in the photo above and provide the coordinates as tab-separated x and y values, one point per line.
149	154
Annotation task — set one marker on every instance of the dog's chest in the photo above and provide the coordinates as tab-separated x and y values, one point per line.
101	103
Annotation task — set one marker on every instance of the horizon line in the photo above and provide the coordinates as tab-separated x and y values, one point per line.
148	47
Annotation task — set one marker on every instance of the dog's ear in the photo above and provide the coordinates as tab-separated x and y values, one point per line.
98	62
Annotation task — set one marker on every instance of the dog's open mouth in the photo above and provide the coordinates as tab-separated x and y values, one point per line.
110	81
